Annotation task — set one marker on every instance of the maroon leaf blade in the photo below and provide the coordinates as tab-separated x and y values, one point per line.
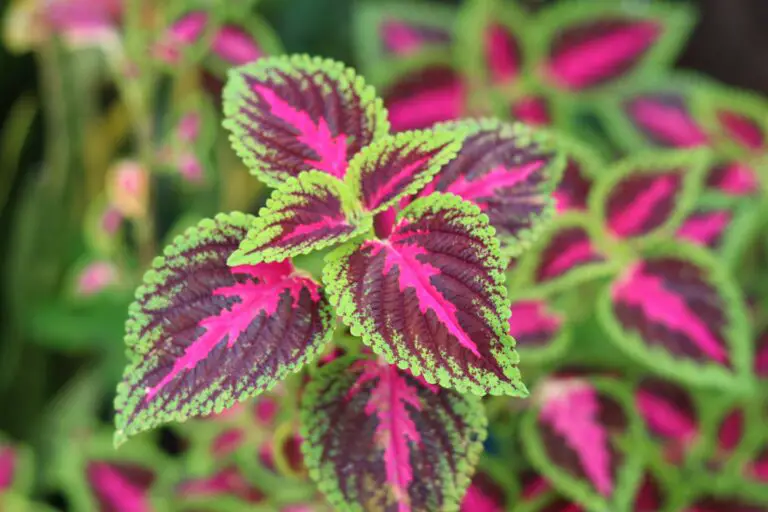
380	438
678	312
510	172
203	336
431	297
292	114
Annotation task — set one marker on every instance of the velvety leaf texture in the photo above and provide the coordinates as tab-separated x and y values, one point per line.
304	214
649	194
400	165
431	297
202	335
292	114
575	438
378	438
510	172
592	44
678	312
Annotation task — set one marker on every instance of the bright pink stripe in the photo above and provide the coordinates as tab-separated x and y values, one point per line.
491	183
417	275
705	228
665	307
759	470
573	415
531	318
475	500
500	51
591	61
665	418
332	150
314	227
742	129
400	180
400	38
572	256
738	179
230	324
235	46
423	109
7	467
668	123
116	490
630	220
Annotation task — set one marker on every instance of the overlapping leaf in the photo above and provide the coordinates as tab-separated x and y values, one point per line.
292	114
579	436
678	312
203	336
510	172
431	297
380	438
585	45
649	194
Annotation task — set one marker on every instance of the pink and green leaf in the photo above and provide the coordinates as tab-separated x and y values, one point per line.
678	312
291	114
585	45
650	194
400	165
580	437
483	495
203	336
737	118
377	437
733	178
583	165
431	297
304	214
510	172
538	329
227	488
15	467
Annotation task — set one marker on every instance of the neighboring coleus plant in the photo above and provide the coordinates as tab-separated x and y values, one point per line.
510	62
225	314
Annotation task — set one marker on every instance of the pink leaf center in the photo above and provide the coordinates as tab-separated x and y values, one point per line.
631	219
116	490
7	467
742	129
668	123
501	54
491	183
705	228
531	318
664	418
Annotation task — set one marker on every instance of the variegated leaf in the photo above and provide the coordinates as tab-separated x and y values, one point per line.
538	329
678	312
737	118
378	438
202	335
292	114
304	214
430	297
510	171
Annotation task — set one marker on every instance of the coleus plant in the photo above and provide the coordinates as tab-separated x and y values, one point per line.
418	277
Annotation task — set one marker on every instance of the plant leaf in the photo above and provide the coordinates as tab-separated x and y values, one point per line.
400	165
733	178
379	438
538	329
510	171
304	214
292	114
583	164
203	336
737	117
678	312
591	44
649	194
431	297
15	468
580	436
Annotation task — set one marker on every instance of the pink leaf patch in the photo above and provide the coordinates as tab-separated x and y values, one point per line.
761	355
733	178
224	483
664	119
483	495
509	171
532	110
429	296
502	54
119	486
204	336
534	325
744	130
376	435
567	249
705	227
405	38
292	114
420	99
669	415
678	312
723	504
8	467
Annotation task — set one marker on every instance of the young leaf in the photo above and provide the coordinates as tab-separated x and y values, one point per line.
400	165
510	171
15	468
431	297
587	44
538	330
733	178
580	437
203	336
379	438
292	114
304	214
649	194
737	118
533	110
678	312
420	98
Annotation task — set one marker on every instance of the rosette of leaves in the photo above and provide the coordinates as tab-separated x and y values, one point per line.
417	276
494	56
